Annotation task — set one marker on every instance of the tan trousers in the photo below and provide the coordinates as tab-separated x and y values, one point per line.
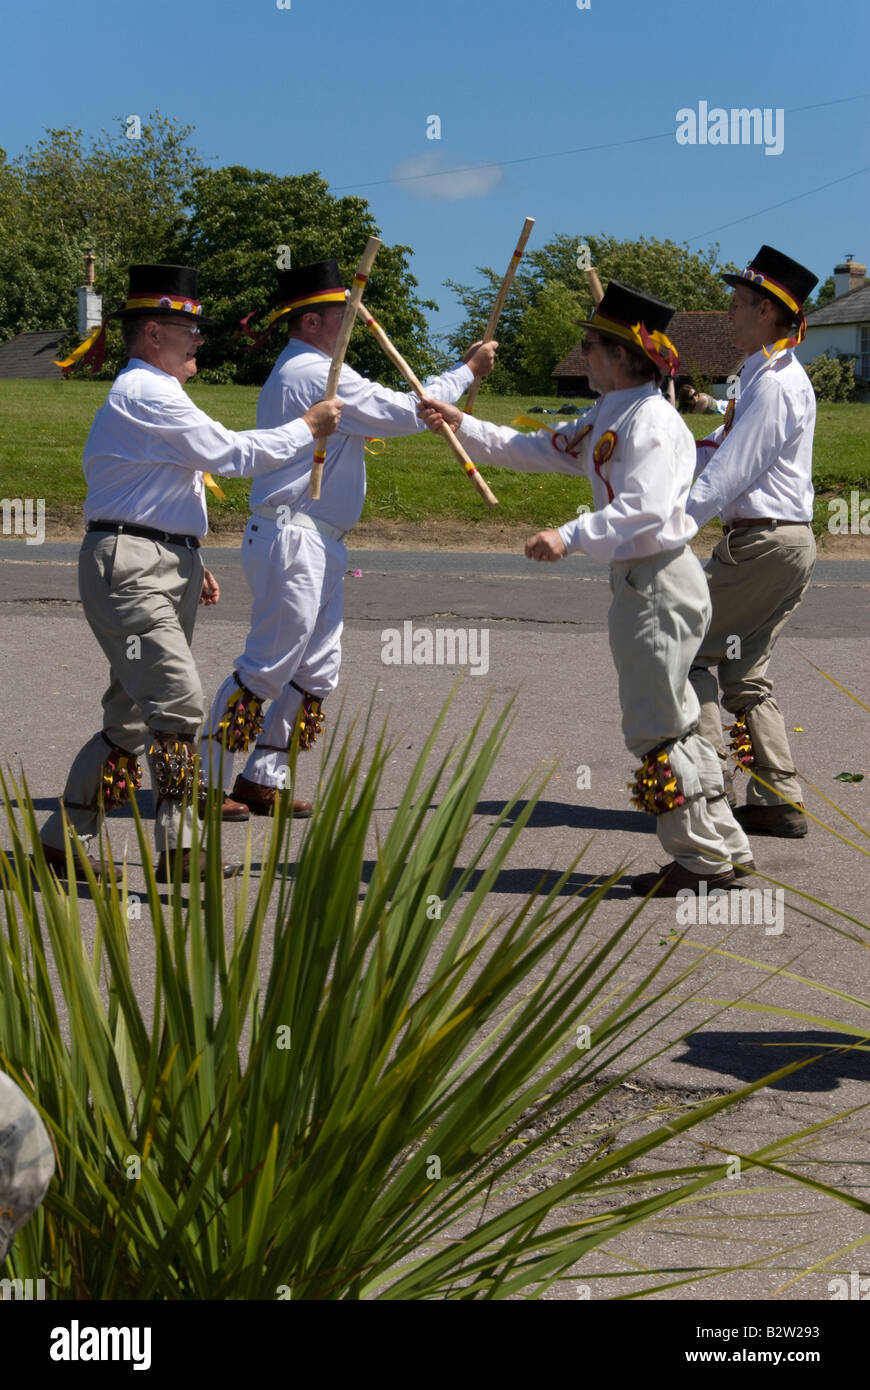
657	620
757	578
140	598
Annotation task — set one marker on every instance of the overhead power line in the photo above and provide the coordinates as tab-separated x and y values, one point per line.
581	149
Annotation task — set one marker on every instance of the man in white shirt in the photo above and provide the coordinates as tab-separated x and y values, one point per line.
141	576
756	475
639	457
293	549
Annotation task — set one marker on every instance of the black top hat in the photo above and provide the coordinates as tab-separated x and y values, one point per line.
305	286
164	289
632	316
777	277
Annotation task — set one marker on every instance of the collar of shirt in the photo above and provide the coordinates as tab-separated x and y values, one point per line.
755	362
172	386
627	394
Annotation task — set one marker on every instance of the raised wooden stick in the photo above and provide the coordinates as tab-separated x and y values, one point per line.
499	304
396	357
594	285
363	270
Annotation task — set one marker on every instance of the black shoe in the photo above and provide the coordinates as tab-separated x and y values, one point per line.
785	822
673	879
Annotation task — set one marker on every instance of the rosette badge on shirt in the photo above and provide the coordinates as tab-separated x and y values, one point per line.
602	454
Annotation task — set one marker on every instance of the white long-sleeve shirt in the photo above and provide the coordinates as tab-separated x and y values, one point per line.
296	382
149	446
639	492
763	466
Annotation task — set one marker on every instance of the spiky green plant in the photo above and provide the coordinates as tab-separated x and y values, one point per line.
338	1133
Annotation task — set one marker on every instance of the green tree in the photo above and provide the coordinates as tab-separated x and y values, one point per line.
65	197
825	294
833	378
37	266
239	219
666	269
549	332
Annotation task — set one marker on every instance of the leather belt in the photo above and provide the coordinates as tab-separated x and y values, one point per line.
124	528
289	518
743	523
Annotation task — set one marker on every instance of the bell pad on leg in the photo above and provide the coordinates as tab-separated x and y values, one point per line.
309	722
173	765
655	788
243	719
121	774
741	740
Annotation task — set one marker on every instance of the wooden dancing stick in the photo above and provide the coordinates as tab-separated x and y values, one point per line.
499	304
594	285
363	270
396	357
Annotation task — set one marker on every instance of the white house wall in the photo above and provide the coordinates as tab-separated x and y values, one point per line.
829	338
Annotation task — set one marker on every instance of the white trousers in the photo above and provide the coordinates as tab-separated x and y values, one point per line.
657	621
295	576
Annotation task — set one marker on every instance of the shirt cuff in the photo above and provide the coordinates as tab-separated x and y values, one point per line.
572	536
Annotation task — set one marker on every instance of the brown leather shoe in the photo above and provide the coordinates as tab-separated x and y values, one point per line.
673	879
56	859
166	866
229	809
261	800
785	822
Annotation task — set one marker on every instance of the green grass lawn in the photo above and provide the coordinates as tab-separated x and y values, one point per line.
43	427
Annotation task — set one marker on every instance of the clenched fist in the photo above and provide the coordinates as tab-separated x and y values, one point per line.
480	357
323	418
546	545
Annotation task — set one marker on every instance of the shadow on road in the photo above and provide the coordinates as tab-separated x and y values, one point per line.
749	1056
561	813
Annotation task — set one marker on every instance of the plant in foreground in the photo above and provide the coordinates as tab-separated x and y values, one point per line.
334	1124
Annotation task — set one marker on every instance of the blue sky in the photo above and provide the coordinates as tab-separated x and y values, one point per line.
347	88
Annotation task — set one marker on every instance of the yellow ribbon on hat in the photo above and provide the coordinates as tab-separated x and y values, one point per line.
82	348
642	337
755	277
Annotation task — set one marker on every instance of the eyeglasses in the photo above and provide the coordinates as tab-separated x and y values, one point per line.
192	328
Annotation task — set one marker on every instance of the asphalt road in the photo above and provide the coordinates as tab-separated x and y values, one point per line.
543	629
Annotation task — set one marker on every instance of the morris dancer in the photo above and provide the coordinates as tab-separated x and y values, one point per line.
141	576
756	474
293	549
639	456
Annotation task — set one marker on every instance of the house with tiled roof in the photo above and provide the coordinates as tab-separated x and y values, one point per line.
31	355
702	339
843	326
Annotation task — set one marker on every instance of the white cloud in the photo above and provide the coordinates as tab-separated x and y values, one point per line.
421	175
